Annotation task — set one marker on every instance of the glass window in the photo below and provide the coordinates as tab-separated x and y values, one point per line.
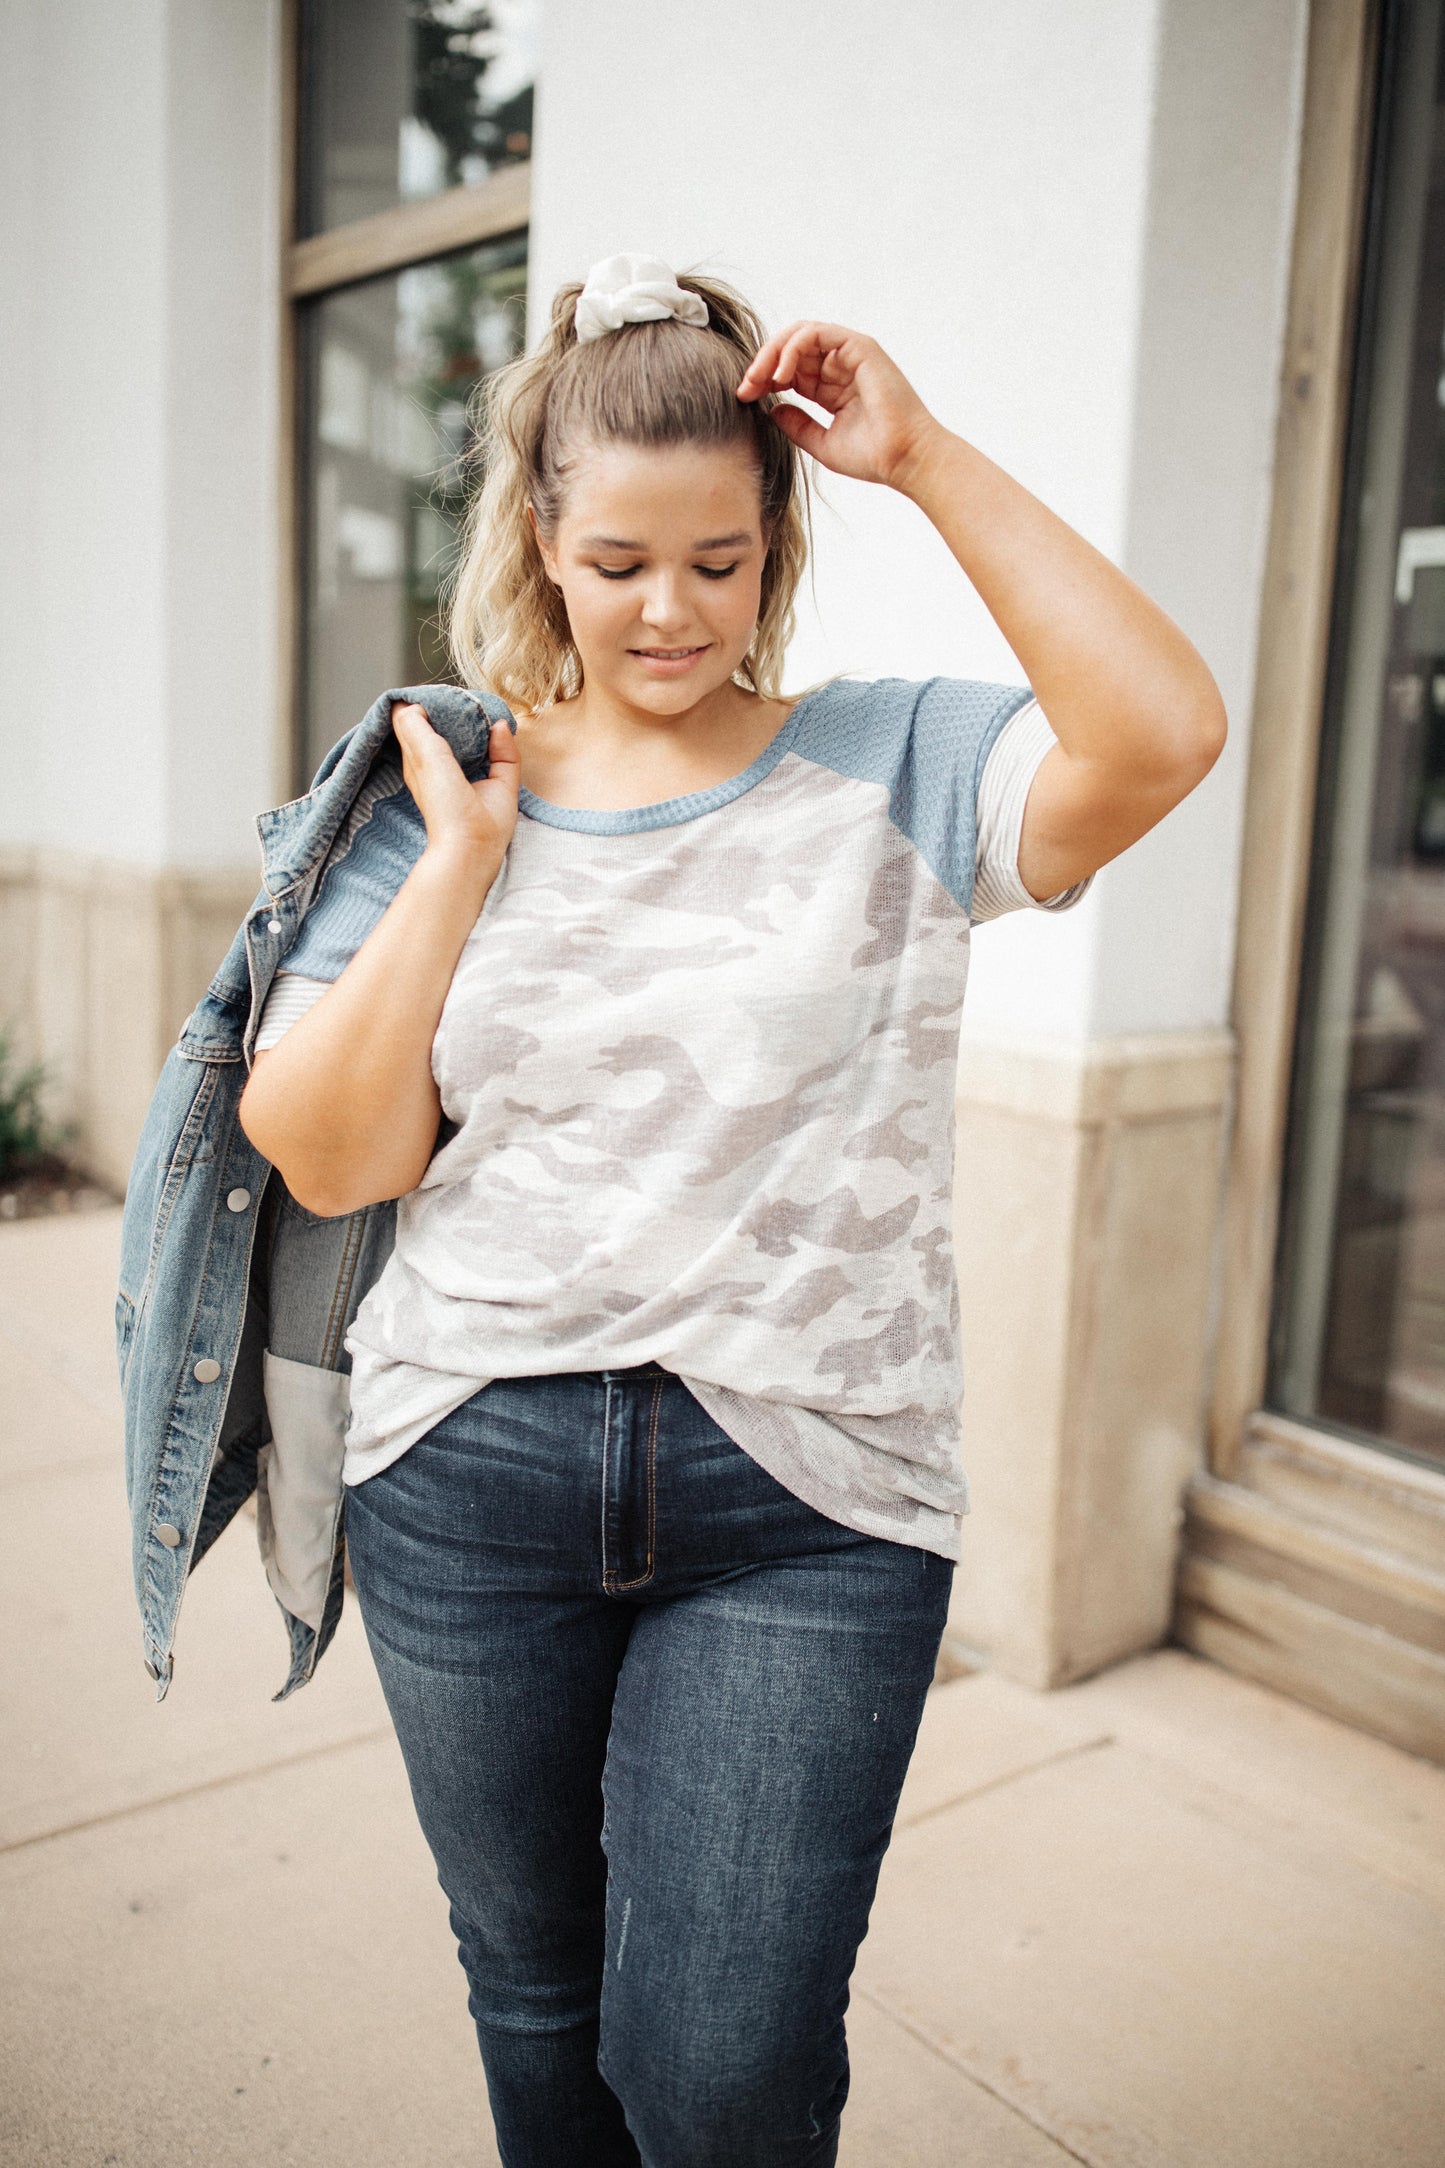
400	99
1359	1337
388	369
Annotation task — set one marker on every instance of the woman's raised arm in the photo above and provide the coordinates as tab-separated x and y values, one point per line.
1137	714
345	1105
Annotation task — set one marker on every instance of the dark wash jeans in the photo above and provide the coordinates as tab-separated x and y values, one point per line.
656	1714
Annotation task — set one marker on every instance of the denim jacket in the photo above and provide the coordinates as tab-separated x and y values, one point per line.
200	1331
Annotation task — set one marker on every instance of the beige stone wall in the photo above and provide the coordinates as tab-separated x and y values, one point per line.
100	964
1087	1201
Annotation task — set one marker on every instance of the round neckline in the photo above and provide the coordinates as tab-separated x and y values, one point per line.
668	812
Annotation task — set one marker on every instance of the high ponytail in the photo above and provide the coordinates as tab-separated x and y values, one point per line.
647	383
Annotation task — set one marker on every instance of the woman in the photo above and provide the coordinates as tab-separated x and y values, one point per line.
652	1463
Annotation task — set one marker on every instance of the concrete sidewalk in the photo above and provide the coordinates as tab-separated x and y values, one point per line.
1162	1920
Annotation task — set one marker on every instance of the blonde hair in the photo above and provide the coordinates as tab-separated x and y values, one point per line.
653	384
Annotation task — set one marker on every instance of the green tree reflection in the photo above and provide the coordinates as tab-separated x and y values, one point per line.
453	46
470	318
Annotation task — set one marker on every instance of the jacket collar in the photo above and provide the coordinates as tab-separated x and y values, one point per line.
296	837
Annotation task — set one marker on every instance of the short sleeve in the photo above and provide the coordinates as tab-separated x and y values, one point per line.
288	998
380	841
926	741
376	847
1012	762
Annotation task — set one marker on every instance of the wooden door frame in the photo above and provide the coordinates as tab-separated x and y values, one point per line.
1297	601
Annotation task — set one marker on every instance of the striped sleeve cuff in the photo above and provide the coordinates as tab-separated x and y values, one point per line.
290	996
1003	790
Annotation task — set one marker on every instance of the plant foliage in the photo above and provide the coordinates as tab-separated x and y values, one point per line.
25	1134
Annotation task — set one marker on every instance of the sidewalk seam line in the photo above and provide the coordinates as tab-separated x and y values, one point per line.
956	2062
1010	1776
194	1791
1328	1839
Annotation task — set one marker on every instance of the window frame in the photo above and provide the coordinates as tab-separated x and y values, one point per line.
1317	380
498	208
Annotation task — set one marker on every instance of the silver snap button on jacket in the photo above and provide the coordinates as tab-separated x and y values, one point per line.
207	1370
238	1199
169	1535
273	925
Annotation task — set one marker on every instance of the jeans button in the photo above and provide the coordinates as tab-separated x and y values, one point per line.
237	1200
207	1370
169	1535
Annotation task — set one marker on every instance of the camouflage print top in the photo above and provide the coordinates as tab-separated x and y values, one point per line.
700	1061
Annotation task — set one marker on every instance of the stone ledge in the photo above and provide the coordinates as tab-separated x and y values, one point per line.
1088	1186
1146	1077
102	962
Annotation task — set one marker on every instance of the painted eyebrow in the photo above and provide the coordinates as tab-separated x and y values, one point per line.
618	542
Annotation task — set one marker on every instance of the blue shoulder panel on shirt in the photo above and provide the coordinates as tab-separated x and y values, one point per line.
357	888
926	741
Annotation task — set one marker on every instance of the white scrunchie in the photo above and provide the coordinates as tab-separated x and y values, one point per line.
633	290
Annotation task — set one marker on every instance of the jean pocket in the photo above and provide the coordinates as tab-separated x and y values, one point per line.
303	1213
318	1272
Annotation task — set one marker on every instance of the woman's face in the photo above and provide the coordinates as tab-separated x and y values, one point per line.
659	555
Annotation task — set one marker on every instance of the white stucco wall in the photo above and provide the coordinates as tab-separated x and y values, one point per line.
138	269
222	389
1069	223
81	565
1228	98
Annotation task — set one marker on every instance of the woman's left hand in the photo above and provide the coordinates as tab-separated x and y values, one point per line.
879	424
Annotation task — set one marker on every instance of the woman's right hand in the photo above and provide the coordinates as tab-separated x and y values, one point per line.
346	1105
473	819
